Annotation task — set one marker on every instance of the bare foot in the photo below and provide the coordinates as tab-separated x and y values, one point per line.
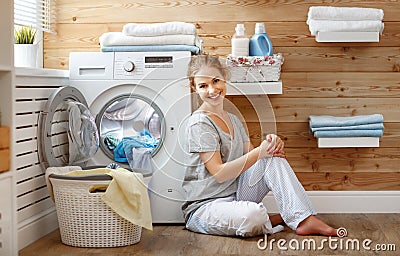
314	226
276	219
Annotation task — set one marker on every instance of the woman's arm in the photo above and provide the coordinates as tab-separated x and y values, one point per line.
271	146
247	147
229	170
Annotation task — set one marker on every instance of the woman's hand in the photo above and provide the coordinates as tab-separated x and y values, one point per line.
276	144
272	146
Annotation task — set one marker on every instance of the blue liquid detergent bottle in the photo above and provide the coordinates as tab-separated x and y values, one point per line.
260	44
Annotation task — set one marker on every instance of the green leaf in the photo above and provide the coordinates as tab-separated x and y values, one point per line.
24	35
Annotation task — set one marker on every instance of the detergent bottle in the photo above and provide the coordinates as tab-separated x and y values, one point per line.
240	42
260	44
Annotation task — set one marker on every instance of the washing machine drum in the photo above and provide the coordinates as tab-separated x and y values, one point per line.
67	130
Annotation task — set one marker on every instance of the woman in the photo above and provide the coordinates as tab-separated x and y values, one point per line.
226	177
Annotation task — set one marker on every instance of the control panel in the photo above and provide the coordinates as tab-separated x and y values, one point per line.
150	65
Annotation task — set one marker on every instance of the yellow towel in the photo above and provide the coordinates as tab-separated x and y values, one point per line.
126	195
95	171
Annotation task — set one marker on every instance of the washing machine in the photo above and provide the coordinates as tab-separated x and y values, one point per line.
119	96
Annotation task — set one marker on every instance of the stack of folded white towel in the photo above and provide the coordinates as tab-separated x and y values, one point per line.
344	19
349	126
167	36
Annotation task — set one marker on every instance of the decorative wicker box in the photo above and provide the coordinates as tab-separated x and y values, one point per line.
248	69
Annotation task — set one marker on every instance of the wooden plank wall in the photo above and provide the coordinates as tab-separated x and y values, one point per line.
318	78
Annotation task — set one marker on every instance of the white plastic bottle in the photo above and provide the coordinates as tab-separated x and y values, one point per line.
240	42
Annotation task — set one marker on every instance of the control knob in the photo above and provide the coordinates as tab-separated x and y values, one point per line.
129	66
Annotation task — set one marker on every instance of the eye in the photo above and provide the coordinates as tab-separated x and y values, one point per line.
216	80
201	86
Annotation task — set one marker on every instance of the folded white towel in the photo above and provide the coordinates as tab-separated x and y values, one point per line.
119	38
316	26
159	29
344	13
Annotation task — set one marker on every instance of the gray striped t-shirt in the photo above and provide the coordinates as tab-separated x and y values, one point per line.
204	135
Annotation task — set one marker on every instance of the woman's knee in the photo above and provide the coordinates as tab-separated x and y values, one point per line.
281	164
274	164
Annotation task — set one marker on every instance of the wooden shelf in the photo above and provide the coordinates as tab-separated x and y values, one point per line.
5	68
331	37
5	175
349	142
254	88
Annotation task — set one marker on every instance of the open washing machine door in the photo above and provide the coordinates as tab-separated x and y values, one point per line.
67	131
131	130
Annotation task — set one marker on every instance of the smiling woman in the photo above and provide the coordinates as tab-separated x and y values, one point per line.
226	178
210	85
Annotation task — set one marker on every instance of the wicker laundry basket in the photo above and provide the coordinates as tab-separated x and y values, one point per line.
85	220
252	69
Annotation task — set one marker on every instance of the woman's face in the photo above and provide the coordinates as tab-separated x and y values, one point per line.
210	85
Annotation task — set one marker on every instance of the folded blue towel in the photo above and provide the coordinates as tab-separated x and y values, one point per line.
376	126
348	133
123	151
323	121
151	48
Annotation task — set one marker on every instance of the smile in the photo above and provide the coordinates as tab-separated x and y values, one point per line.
214	96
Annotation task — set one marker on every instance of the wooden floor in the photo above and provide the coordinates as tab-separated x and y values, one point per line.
383	229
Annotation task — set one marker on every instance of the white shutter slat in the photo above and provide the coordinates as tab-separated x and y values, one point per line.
40	14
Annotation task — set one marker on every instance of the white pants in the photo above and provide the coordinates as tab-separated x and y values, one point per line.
244	214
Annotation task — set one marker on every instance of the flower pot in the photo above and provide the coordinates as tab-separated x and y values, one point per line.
25	55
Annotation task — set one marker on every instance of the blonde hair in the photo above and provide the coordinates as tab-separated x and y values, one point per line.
199	61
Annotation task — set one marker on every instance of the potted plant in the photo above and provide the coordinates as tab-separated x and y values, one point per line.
25	48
